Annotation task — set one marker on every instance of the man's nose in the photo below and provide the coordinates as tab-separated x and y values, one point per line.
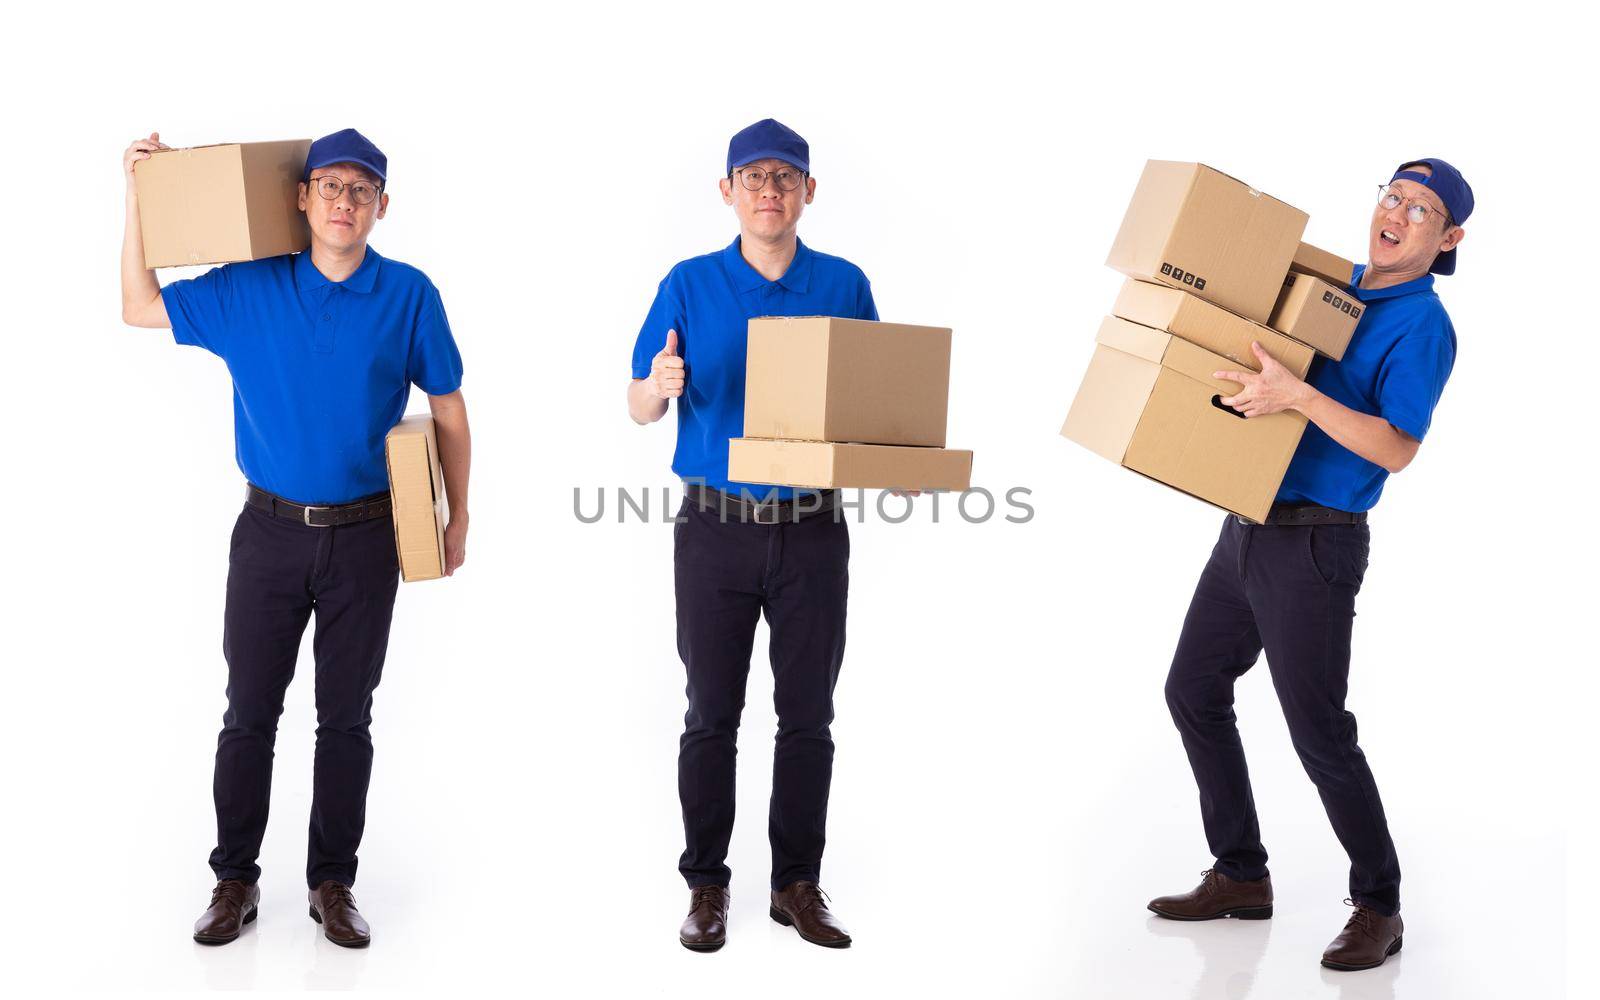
1397	214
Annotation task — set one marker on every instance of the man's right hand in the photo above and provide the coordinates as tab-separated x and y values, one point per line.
140	149
667	376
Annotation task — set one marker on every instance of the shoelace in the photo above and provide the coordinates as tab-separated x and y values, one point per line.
229	889
813	895
1208	885
339	895
1361	918
705	895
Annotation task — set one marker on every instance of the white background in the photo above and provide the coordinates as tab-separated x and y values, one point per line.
1009	790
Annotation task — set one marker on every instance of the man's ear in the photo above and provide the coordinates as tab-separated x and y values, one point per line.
811	188
383	204
725	185
303	191
1452	239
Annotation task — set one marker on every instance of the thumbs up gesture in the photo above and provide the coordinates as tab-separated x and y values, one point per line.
666	370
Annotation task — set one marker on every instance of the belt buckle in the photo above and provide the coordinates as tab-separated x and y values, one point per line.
305	515
767	505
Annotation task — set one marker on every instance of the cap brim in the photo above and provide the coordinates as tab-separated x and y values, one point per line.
363	164
770	154
1444	263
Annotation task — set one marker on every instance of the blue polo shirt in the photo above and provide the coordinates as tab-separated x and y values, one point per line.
710	300
321	369
1396	366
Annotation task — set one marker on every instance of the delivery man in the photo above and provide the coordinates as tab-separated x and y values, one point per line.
742	550
323	348
1289	586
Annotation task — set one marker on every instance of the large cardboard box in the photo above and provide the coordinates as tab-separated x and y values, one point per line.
1316	313
216	204
1330	267
416	490
1148	402
1196	228
833	465
819	378
1212	327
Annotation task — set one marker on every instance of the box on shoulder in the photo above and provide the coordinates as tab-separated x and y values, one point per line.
836	465
417	495
220	204
1317	314
1330	267
1205	325
1195	228
1149	403
822	378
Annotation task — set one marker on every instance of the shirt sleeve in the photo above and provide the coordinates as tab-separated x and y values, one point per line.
865	307
198	309
666	313
435	363
1412	380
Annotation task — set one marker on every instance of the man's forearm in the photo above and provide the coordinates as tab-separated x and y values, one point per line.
140	289
644	406
455	453
1373	438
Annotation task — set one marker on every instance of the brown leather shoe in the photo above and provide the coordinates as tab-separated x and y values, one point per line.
1367	941
706	926
1218	896
334	908
803	906
233	904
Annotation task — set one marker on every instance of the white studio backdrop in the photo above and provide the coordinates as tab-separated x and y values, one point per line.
1009	790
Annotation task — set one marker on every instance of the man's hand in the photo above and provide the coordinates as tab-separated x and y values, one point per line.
1274	390
140	149
667	375
455	544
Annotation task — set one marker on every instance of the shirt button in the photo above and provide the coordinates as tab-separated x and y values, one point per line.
325	316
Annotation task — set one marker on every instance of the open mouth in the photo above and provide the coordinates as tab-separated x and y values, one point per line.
1389	238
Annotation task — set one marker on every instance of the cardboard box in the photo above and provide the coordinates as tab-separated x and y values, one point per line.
827	465
1330	267
1148	402
818	378
1198	229
1205	325
416	489
216	204
1316	313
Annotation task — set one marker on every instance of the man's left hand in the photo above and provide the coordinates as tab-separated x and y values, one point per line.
1274	390
455	545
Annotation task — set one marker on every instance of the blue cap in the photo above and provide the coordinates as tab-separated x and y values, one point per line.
1446	182
768	139
347	146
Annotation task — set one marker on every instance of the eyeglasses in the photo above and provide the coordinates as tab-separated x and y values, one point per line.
755	178
1417	210
331	187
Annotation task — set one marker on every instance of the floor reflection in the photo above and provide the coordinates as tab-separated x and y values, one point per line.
1230	951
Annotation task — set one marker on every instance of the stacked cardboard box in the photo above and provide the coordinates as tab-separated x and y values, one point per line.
1213	266
416	494
218	204
847	403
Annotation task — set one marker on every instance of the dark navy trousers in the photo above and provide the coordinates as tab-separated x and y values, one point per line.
1291	591
727	575
280	574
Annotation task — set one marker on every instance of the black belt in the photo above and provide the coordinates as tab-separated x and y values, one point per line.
365	509
1305	513
730	507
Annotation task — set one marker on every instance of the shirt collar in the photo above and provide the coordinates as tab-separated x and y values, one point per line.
307	278
1412	287
747	279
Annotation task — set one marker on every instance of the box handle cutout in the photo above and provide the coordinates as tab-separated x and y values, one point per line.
1217	402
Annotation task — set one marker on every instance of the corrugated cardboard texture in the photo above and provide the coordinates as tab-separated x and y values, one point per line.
1212	327
1161	417
1316	313
416	489
218	204
1330	267
824	465
1195	228
827	379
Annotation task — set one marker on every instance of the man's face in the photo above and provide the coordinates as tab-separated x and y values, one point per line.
770	213
342	222
1396	245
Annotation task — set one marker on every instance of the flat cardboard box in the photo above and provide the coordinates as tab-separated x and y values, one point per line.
1316	313
217	204
1330	267
1148	402
819	378
1196	228
832	465
1205	325
416	489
